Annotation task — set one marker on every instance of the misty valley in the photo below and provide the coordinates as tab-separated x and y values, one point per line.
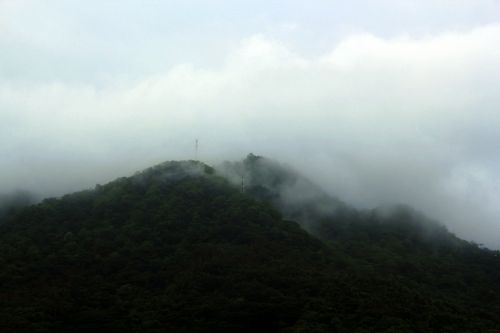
243	246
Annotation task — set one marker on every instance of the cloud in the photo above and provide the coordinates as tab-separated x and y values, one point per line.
375	120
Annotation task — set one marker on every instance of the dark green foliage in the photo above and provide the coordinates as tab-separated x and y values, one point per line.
178	249
394	246
170	248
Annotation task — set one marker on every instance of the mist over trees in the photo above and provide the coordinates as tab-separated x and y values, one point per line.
373	204
393	116
13	201
180	247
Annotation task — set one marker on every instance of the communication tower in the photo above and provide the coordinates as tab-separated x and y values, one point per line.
196	150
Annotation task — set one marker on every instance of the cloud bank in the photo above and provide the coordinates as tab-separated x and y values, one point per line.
374	121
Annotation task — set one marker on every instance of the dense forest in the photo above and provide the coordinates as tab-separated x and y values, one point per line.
249	246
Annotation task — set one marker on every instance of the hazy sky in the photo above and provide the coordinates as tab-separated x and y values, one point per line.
378	101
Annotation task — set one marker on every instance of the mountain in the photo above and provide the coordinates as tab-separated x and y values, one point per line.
184	247
289	192
327	217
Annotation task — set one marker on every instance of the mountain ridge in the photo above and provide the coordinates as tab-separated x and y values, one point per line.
179	247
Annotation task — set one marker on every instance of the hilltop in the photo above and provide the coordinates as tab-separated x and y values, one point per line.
184	247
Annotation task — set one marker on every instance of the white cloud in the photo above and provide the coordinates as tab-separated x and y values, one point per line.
375	120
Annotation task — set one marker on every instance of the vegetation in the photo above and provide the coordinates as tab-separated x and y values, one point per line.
178	248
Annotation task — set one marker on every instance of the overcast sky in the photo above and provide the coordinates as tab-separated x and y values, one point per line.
394	101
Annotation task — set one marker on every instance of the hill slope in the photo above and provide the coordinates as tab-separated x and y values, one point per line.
327	217
178	248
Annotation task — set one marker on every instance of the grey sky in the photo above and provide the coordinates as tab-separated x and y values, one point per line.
91	40
378	101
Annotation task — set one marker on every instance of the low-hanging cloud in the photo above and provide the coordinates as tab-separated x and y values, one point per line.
374	121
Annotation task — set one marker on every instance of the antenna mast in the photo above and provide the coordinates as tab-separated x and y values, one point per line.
196	150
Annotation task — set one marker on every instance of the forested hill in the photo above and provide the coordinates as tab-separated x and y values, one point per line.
179	248
329	218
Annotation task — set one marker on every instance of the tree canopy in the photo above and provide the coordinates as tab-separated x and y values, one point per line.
179	248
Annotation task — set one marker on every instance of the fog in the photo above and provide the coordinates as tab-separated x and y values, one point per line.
375	118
